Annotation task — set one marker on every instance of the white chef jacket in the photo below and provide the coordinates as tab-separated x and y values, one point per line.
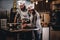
38	23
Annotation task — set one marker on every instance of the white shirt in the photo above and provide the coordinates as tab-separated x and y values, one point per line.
31	17
38	23
23	14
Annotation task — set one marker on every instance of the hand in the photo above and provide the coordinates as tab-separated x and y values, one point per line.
30	25
24	25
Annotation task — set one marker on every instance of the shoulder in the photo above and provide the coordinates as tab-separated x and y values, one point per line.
17	10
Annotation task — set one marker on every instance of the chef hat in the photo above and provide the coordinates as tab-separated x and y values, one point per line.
21	2
31	6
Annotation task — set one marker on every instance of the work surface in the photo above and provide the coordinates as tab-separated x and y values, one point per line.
24	30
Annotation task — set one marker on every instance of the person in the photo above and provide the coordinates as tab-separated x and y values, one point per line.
35	18
22	14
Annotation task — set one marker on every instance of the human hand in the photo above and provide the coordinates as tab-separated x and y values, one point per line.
24	25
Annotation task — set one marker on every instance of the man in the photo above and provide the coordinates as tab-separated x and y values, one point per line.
35	18
22	14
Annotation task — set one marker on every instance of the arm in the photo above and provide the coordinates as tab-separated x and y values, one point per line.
38	23
15	18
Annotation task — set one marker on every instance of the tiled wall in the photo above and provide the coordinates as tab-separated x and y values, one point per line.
6	4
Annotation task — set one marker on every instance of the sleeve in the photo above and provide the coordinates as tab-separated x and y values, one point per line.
18	14
38	23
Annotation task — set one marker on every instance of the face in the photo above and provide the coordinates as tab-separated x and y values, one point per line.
22	6
30	10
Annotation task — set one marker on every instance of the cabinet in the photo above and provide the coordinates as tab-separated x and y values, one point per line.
55	15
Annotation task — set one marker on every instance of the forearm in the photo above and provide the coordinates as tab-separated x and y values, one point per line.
15	20
29	25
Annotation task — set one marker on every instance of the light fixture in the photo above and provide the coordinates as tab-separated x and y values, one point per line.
36	2
46	1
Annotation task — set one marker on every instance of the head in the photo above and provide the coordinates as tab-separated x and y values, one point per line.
30	8
22	5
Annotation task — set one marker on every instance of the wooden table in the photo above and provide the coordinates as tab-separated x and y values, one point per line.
24	30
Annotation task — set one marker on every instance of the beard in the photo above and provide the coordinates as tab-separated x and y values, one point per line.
23	9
